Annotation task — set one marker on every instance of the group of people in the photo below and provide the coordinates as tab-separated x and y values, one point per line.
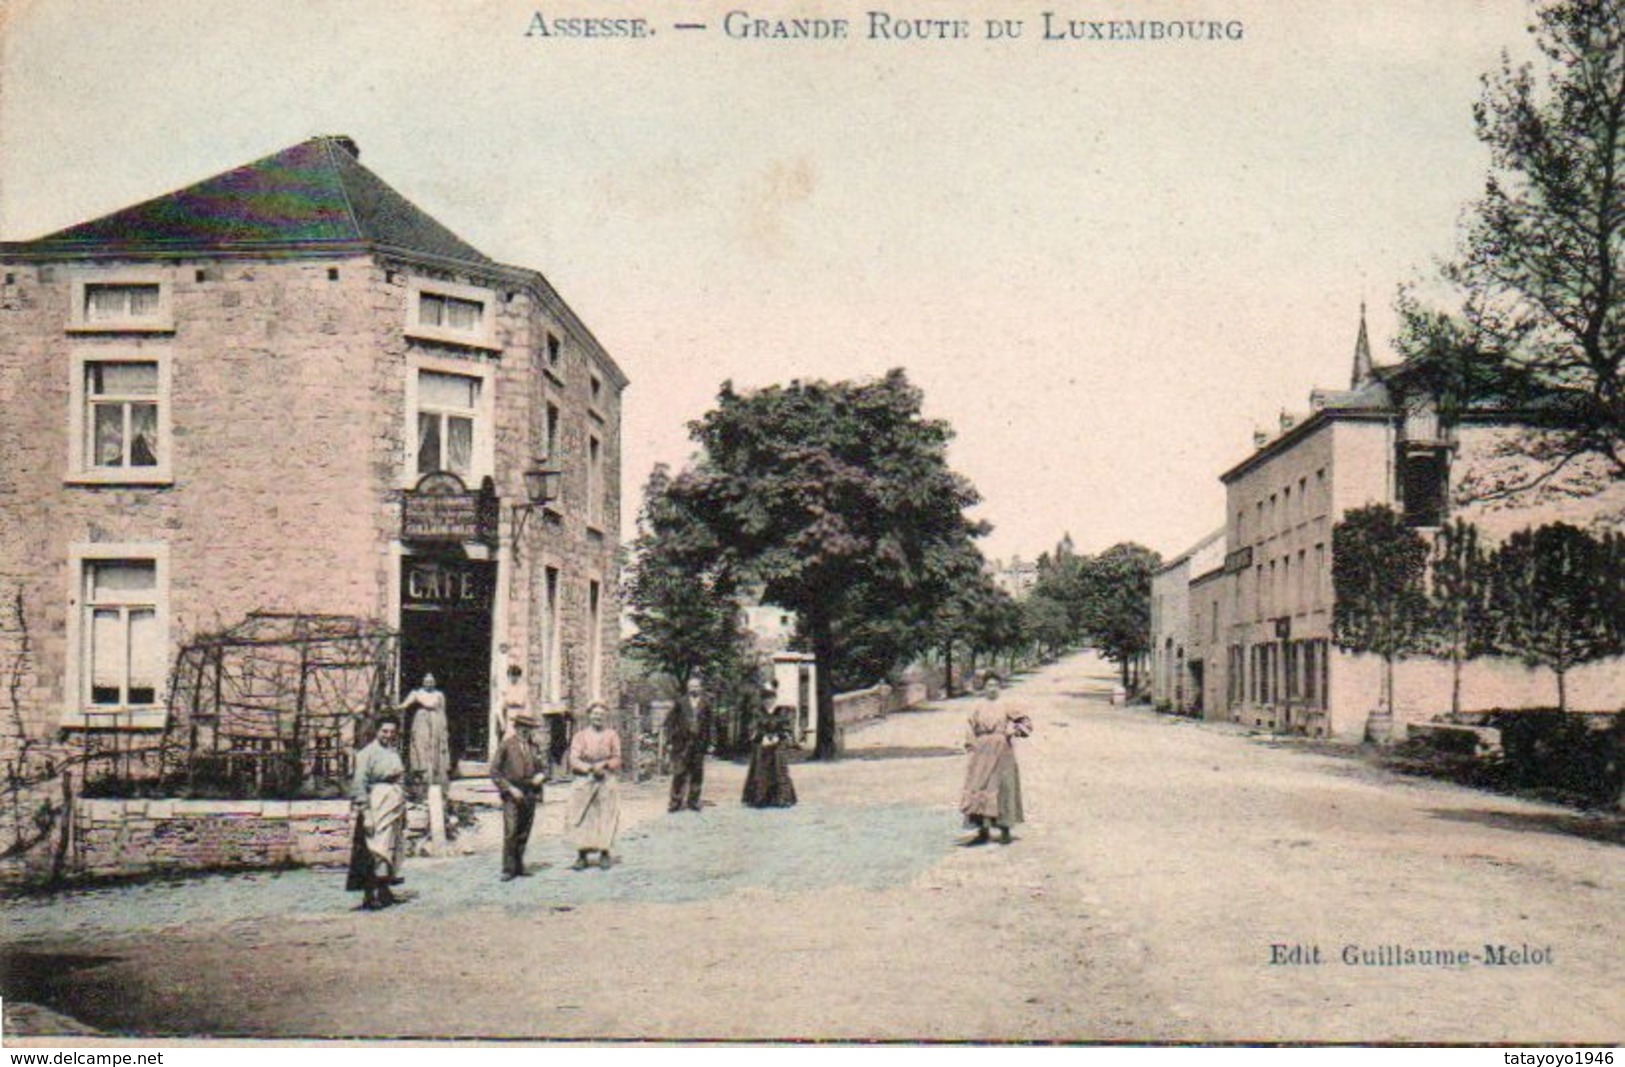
990	799
518	770
687	737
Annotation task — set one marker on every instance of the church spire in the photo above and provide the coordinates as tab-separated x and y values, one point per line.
1362	355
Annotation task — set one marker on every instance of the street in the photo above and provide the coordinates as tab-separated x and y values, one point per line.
1164	865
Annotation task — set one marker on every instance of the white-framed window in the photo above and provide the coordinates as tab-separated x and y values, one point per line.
118	419
595	481
450	313
118	635
449	408
122	302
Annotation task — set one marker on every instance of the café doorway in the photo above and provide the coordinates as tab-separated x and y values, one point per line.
446	607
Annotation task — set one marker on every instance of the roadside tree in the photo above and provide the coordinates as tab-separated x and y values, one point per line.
1458	601
1552	589
817	490
1379	603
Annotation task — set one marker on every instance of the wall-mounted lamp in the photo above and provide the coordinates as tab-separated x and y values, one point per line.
542	487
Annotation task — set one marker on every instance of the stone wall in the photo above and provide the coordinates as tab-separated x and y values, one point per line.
125	837
860	705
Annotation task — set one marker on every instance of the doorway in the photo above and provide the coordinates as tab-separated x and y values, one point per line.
446	631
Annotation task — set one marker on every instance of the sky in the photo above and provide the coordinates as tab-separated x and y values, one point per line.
1105	262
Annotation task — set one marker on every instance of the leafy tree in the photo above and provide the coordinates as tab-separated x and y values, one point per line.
837	499
1552	593
958	617
1000	627
1458	601
1378	604
1045	622
1541	276
1115	590
1064	577
683	612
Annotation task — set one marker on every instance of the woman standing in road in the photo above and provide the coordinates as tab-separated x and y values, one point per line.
380	818
767	783
992	794
594	813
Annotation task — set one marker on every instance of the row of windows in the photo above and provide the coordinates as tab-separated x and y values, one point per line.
122	432
1279	588
437	311
1279	672
1284	509
123	644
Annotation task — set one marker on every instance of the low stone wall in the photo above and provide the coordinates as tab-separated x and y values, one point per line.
861	705
121	837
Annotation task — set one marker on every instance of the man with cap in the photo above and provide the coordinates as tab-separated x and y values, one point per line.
518	775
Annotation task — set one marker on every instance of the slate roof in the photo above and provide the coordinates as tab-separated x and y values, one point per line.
315	195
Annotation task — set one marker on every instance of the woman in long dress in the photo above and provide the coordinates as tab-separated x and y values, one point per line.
767	783
594	812
429	748
380	824
992	793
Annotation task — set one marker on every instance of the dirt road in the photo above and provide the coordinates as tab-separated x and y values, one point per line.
1164	866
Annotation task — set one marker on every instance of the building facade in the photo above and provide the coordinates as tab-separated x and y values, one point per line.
1267	612
287	390
1178	667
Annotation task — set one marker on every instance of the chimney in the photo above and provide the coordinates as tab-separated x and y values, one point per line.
1287	422
1260	438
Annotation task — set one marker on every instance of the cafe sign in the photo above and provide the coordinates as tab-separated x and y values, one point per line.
446	585
442	509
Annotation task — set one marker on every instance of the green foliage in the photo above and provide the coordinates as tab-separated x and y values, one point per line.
1045	621
1379	604
1541	276
1377	568
684	613
1555	603
1106	598
1117	616
1458	625
836	500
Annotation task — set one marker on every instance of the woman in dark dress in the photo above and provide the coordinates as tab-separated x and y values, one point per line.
767	783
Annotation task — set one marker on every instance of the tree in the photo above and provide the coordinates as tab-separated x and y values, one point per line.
1552	594
1000	627
1044	621
1458	601
837	499
1115	590
1541	276
1378	602
677	601
961	618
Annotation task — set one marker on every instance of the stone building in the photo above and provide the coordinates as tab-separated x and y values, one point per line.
287	389
1178	621
1381	441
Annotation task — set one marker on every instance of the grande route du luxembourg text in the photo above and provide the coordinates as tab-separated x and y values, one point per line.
885	26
